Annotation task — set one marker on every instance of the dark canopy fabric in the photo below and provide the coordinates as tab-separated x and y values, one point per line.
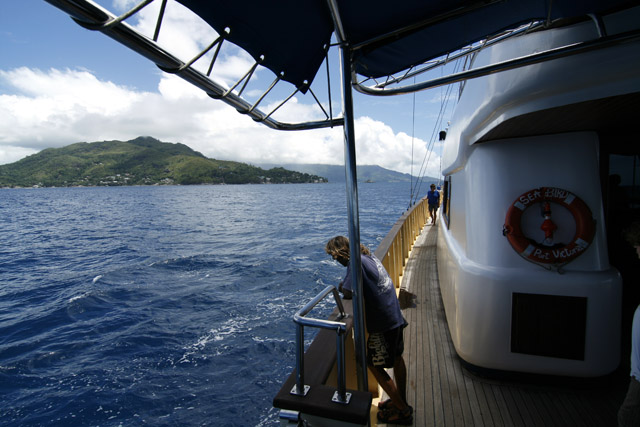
445	26
386	37
291	35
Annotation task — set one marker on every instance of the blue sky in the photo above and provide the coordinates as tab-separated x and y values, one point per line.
60	84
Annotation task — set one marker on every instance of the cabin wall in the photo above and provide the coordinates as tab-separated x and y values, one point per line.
498	172
481	275
518	130
488	102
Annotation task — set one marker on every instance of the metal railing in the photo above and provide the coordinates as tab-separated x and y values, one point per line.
300	389
602	41
394	249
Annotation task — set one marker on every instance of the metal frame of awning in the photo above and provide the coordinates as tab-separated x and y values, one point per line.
386	88
93	17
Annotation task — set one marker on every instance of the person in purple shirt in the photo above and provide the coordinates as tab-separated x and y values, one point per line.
385	325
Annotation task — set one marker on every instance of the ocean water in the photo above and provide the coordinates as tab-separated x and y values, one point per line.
126	306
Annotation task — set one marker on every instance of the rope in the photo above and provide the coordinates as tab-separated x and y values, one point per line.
413	129
443	105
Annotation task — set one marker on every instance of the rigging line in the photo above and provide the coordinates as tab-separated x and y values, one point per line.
438	124
413	130
431	144
425	162
440	168
456	68
440	165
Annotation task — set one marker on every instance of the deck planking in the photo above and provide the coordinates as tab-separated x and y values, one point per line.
444	393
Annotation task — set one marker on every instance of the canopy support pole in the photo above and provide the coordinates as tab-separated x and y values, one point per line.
352	198
354	220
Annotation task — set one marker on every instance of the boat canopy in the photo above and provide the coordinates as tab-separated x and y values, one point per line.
386	45
291	37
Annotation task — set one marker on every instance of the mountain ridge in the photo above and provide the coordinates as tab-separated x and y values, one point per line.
336	173
140	161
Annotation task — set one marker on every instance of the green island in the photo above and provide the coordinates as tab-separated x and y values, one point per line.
141	161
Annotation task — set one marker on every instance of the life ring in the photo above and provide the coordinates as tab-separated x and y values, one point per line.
558	254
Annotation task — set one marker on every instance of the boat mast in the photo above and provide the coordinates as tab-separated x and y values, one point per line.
352	198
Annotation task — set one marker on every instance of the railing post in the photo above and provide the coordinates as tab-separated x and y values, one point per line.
299	388
341	394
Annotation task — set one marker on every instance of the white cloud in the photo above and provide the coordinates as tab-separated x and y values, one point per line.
231	64
54	107
58	107
48	107
174	89
10	154
378	144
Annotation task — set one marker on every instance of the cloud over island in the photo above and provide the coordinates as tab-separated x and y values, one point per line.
52	108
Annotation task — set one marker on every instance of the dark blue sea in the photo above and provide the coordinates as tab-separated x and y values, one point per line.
165	305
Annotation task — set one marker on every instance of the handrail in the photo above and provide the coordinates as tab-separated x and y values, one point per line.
466	51
510	64
300	389
394	249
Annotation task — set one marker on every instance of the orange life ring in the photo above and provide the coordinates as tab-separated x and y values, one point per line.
541	254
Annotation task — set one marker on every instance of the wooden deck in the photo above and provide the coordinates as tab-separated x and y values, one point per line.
444	393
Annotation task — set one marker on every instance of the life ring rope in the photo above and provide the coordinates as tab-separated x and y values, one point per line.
543	254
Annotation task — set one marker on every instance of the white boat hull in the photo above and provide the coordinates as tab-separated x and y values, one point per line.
504	311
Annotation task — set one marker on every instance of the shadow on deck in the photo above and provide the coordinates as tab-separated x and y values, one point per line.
444	393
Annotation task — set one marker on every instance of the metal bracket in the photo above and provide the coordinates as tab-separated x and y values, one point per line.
336	398
294	390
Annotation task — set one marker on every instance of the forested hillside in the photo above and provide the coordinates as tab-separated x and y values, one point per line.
141	161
